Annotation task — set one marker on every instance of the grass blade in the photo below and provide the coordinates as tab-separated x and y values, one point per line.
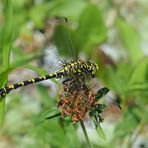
6	43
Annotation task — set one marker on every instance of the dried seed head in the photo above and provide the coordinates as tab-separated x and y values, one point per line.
76	104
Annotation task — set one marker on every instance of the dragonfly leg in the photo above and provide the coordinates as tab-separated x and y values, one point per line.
66	81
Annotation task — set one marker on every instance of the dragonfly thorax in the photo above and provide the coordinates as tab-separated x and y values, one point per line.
78	68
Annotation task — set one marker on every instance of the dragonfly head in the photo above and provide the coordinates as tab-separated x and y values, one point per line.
93	67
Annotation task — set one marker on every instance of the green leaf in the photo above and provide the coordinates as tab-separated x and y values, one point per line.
23	60
3	76
101	132
44	95
98	128
49	114
138	73
136	87
91	30
132	117
36	69
101	92
130	40
37	14
116	79
1	39
67	8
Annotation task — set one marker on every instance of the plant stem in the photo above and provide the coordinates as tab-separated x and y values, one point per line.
85	134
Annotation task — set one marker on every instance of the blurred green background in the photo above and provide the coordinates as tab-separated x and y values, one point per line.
112	33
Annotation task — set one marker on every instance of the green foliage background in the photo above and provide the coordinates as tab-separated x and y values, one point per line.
120	26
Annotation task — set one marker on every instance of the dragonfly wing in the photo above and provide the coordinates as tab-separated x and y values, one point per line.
62	39
53	59
59	49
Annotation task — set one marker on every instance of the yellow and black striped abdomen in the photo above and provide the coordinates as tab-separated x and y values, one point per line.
7	89
72	70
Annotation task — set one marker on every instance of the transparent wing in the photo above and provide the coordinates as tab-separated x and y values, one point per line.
62	39
59	44
112	108
109	101
52	59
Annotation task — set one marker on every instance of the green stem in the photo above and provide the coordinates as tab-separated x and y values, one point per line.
85	134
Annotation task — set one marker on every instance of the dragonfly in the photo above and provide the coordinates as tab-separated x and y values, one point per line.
77	97
75	70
